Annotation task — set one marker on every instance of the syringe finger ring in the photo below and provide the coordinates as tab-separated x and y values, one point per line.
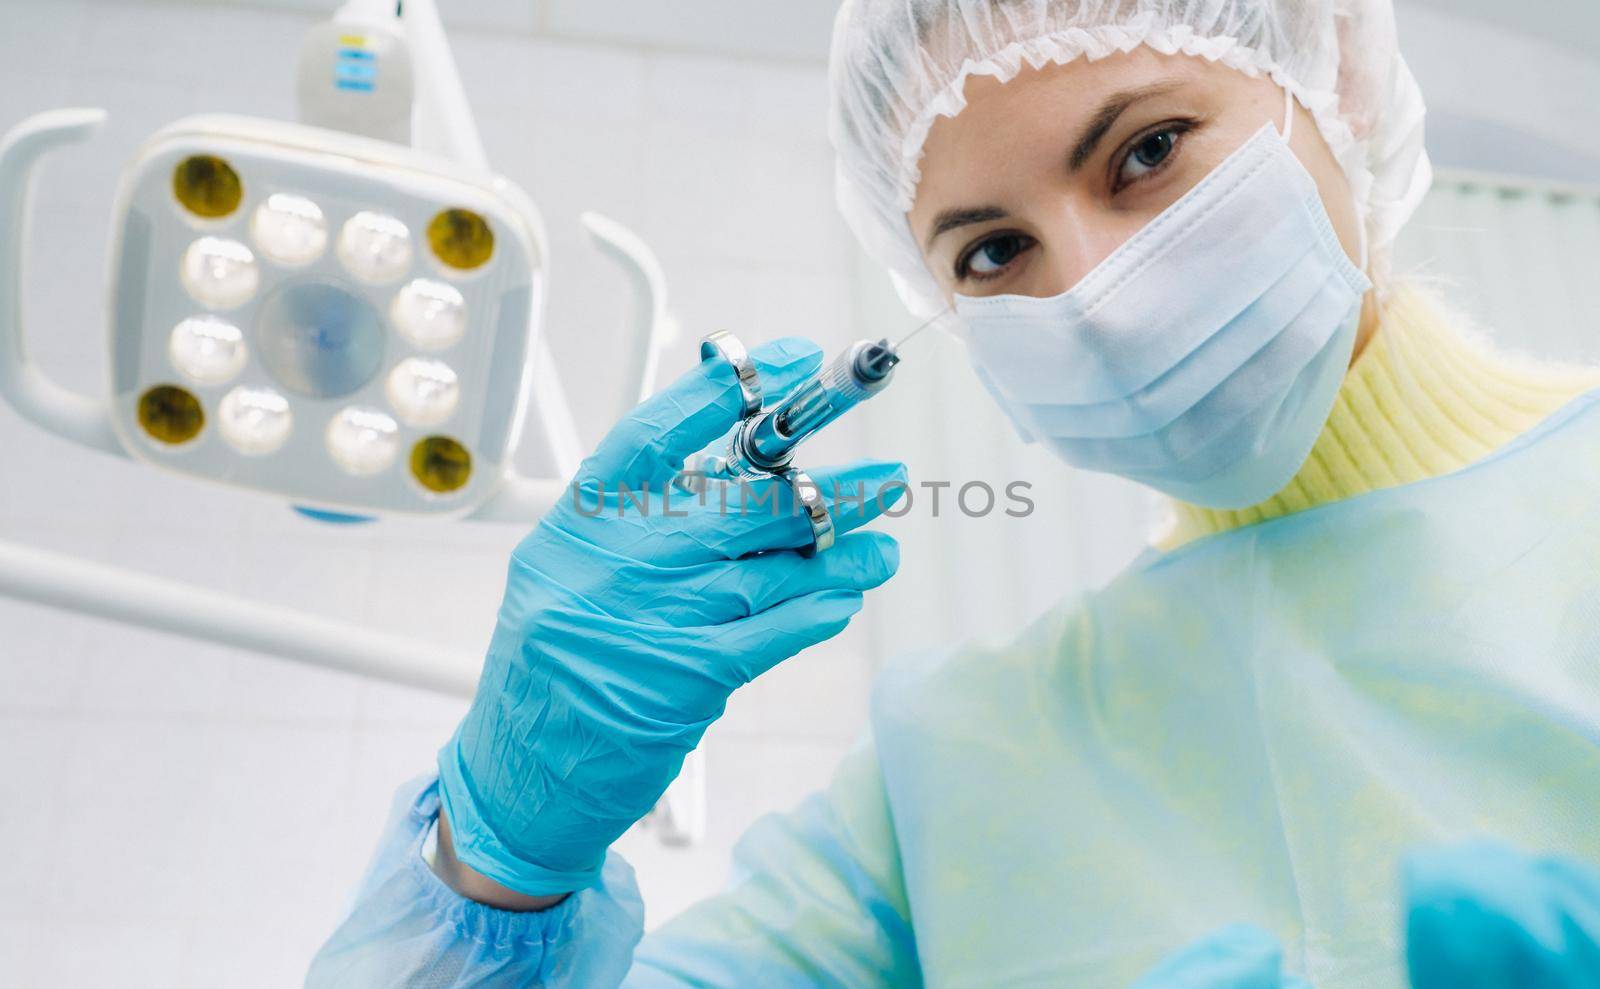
808	499
726	346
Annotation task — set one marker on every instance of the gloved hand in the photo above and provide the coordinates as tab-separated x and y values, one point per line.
1236	957
1484	917
626	626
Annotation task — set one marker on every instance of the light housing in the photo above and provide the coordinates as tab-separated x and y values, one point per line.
449	337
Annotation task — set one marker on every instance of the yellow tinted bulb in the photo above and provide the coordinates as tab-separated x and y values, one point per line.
441	465
207	186
171	415
461	239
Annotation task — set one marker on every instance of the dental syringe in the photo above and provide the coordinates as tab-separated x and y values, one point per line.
764	443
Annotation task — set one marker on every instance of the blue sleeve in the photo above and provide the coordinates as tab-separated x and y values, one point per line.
817	899
407	928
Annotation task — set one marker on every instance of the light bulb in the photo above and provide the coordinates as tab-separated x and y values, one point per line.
171	415
363	441
254	421
375	247
208	350
424	392
220	273
207	186
430	314
289	229
461	239
441	465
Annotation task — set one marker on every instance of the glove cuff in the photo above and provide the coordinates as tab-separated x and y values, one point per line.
481	849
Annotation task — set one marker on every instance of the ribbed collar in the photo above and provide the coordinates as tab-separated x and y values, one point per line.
1425	398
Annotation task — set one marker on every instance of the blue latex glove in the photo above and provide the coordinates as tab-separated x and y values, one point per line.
624	629
1236	957
1485	917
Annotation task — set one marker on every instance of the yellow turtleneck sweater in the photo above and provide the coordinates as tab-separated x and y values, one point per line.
1423	399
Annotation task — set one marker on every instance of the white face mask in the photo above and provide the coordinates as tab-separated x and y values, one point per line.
1203	356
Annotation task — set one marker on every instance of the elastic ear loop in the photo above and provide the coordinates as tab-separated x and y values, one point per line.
1362	224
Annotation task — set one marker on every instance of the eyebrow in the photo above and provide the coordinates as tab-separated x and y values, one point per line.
963	216
1106	117
1111	110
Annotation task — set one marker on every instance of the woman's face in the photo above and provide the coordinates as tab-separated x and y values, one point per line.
1040	179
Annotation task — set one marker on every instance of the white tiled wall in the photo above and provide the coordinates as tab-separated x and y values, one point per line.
181	815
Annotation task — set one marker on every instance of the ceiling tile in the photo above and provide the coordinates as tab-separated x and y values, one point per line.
784	28
495	15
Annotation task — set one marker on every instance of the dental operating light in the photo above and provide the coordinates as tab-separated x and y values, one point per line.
347	323
364	310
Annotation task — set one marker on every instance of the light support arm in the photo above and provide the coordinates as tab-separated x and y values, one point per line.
653	326
359	11
204	615
35	396
444	121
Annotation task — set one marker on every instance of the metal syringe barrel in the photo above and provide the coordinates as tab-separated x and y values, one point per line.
766	442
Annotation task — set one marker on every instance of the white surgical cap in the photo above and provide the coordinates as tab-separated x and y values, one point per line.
898	65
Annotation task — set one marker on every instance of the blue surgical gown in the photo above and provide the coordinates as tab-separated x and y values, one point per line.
1253	728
